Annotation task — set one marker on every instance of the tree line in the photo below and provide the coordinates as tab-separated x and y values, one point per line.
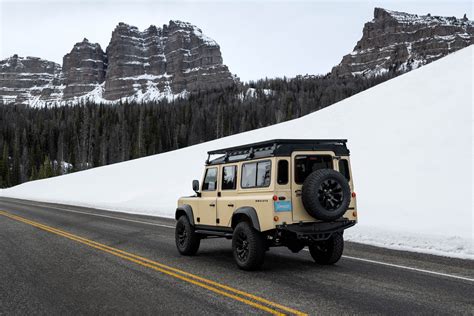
38	143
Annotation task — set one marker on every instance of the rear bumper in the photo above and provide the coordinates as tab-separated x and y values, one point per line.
318	230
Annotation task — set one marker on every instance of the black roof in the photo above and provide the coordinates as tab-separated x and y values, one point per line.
277	147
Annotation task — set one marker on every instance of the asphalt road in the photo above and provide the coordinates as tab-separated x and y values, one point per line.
58	259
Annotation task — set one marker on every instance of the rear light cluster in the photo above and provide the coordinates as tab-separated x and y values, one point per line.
354	213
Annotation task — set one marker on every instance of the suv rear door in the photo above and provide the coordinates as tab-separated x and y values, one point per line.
303	163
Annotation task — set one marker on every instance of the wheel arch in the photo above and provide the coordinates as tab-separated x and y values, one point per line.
246	213
185	210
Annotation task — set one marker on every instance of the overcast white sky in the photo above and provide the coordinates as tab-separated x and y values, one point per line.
258	38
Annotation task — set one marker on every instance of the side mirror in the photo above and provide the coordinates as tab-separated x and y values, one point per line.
196	186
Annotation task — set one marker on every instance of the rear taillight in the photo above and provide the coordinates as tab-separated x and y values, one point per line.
353	194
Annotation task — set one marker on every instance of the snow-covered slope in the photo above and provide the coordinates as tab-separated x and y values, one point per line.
411	141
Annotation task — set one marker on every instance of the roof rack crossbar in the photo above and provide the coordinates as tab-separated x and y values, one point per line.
277	147
274	143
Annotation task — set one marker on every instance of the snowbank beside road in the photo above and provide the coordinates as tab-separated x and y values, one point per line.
411	141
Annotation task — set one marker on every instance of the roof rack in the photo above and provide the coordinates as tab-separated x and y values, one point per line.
276	147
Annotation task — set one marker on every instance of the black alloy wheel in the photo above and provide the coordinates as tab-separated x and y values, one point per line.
242	246
248	246
182	235
187	241
330	194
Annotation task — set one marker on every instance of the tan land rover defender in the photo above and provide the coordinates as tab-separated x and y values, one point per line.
284	192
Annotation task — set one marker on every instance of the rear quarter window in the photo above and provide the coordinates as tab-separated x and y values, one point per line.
282	174
344	168
256	174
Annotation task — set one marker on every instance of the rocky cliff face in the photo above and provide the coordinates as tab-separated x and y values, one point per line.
83	69
156	63
399	42
177	57
28	78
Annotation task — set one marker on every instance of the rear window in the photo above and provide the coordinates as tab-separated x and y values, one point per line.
344	169
256	174
304	165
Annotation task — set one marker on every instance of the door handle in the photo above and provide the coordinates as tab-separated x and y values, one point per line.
298	192
212	205
230	205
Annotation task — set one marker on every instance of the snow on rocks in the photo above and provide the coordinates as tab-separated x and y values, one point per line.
172	61
400	42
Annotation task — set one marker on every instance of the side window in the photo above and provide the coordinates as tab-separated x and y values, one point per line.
264	170
344	168
249	175
282	177
256	174
210	180
229	178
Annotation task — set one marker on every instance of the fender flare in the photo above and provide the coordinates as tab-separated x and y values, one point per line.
248	212
187	210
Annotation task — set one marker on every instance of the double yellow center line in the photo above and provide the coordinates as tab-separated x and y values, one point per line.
230	292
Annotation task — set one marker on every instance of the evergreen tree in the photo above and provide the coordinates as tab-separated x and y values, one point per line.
34	142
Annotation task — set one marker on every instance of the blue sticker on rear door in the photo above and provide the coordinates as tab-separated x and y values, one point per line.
282	206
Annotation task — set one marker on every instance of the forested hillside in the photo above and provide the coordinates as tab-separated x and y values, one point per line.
42	142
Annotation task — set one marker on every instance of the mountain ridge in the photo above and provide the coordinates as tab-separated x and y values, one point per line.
177	59
149	65
399	42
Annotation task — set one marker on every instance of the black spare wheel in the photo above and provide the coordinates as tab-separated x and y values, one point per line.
326	194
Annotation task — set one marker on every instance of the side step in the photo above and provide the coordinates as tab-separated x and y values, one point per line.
214	233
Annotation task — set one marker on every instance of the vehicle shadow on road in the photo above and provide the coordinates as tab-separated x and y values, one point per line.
276	260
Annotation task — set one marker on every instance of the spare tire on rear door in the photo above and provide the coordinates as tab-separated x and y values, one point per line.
326	194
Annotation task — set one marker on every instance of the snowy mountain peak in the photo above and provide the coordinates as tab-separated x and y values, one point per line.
147	65
162	62
397	42
152	64
27	79
408	18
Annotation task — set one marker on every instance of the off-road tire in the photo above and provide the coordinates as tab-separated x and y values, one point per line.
248	247
187	241
328	251
326	194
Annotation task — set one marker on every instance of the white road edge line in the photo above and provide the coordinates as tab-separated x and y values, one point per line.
408	268
347	257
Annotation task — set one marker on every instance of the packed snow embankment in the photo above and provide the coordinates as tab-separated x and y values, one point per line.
411	145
